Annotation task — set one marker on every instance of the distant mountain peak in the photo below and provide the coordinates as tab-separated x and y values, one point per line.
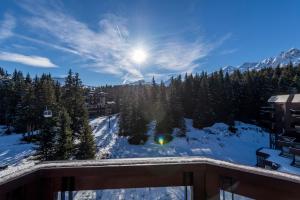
283	59
291	53
228	69
138	82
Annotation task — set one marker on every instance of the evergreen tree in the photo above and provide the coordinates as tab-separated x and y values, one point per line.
187	95
46	143
163	120
64	143
203	115
86	147
25	115
74	102
176	108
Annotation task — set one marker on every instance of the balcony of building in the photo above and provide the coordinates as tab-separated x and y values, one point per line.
206	178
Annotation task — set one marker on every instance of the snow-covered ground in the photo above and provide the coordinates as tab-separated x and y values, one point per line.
214	142
12	150
176	193
285	162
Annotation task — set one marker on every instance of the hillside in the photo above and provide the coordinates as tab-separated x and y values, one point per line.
214	142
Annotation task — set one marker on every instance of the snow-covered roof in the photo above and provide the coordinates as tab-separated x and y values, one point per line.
296	98
278	98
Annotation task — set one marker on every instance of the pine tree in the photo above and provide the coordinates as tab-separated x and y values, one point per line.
6	100
48	126
124	120
74	102
86	147
203	114
2	72
187	95
25	115
133	117
163	120
64	143
46	143
138	119
176	108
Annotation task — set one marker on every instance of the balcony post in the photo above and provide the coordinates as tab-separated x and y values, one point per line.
212	183
47	189
198	189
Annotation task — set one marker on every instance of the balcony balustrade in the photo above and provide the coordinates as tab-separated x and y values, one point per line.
206	177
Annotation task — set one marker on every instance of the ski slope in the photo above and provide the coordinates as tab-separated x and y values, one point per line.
12	150
214	142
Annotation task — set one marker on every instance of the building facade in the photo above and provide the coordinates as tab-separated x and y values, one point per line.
96	101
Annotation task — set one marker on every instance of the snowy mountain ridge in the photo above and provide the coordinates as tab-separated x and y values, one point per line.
283	59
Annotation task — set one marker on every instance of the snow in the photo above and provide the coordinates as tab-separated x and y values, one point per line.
105	137
12	150
228	69
278	99
212	142
159	193
285	162
283	59
296	98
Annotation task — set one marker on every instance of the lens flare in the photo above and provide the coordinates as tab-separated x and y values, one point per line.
161	140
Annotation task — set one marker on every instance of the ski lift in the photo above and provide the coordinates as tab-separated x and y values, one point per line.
47	113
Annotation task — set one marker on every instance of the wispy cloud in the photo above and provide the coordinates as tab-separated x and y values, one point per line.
48	44
180	56
35	61
228	51
106	48
6	26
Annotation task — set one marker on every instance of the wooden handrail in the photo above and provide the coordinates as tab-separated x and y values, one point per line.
203	174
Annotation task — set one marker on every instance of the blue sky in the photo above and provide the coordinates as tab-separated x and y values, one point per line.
98	38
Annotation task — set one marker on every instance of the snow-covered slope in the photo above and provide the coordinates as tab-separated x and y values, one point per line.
246	66
12	150
228	69
283	59
214	142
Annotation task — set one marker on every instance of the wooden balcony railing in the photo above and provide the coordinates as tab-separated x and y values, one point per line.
205	176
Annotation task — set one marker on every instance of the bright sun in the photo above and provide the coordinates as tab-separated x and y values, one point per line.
139	55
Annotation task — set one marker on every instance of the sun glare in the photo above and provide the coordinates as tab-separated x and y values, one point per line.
139	55
161	140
